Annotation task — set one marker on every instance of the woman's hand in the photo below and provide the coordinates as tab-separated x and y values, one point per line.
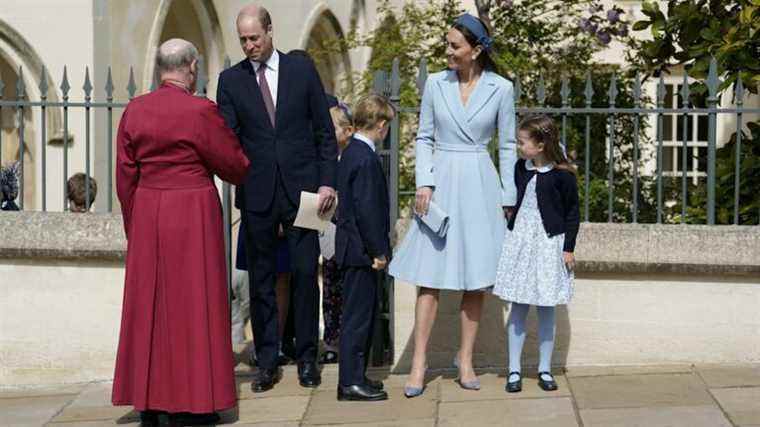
422	200
569	260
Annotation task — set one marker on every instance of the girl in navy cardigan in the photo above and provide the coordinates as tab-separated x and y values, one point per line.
537	262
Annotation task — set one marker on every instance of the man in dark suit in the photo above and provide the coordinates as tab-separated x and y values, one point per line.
276	105
362	244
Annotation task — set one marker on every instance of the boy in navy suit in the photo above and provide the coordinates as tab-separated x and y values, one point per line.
362	244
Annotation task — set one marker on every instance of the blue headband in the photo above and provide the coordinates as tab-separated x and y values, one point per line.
477	29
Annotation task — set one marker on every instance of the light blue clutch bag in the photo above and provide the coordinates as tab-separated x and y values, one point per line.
436	219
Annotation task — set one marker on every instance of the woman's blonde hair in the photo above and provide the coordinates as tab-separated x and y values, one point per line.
371	110
542	129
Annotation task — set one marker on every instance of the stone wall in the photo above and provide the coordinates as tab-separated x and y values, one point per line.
645	294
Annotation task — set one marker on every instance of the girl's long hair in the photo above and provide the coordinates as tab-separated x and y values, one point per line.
542	129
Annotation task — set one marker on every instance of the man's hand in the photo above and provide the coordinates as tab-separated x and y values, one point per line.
422	200
569	260
326	199
379	263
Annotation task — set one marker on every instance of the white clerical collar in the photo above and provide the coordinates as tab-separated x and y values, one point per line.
543	169
273	62
364	139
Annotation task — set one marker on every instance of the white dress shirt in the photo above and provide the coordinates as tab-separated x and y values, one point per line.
366	140
272	71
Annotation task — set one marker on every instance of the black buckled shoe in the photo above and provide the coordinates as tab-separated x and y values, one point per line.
514	386
309	375
265	379
361	393
547	385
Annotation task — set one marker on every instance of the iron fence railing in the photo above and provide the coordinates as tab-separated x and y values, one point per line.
389	84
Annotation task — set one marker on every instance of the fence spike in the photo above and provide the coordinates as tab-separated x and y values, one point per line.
422	76
541	90
109	86
65	86
613	93
712	79
378	82
395	79
685	92
20	85
739	93
43	84
87	85
131	86
637	90
202	79
518	89
589	92
661	92
565	91
227	62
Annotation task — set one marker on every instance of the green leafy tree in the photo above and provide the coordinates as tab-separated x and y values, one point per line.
689	34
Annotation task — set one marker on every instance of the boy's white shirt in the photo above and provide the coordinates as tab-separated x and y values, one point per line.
365	139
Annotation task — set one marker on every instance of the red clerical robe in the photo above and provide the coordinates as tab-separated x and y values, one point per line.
175	351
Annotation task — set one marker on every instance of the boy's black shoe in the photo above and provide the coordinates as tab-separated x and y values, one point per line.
362	393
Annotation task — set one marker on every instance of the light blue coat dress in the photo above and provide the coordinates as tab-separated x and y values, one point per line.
452	157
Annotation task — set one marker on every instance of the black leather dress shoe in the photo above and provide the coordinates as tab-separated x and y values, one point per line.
309	375
188	419
514	386
265	380
377	385
361	392
546	385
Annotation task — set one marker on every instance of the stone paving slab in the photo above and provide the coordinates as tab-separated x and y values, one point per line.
42	391
325	409
98	413
268	410
632	391
741	404
678	416
598	371
730	376
523	412
492	388
702	396
32	411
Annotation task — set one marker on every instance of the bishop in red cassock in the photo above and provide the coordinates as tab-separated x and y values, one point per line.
175	351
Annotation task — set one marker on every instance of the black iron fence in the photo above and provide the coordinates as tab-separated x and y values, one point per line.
673	111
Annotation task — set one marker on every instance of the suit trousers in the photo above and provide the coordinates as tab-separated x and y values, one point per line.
357	323
261	239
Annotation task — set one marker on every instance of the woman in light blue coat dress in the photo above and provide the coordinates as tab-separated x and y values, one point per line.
462	108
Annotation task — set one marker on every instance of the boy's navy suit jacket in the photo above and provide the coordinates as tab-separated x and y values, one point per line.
363	223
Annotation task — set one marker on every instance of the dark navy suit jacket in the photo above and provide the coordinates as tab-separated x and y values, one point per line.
363	217
302	143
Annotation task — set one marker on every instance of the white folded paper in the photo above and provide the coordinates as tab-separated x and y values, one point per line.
308	213
436	219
